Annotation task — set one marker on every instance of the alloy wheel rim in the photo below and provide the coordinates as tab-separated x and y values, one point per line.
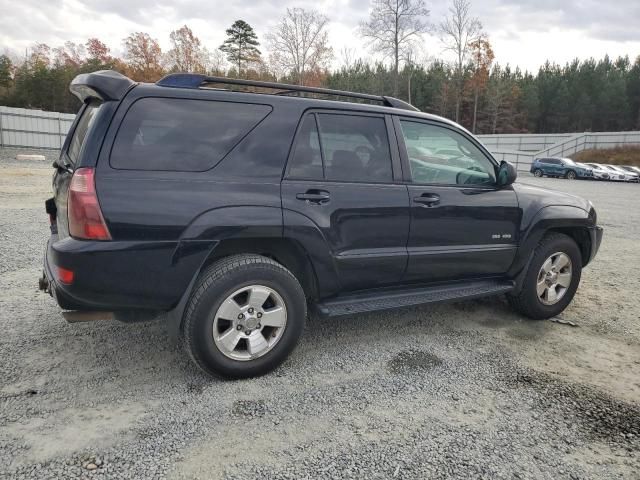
554	278
249	322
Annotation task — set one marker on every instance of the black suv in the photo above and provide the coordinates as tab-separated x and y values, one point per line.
231	212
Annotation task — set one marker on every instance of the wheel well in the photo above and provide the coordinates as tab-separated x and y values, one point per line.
581	237
287	252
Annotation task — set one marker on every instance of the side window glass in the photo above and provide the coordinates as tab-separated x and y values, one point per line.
306	161
181	135
355	148
443	156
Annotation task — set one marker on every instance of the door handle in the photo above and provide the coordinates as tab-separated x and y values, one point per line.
427	199
317	197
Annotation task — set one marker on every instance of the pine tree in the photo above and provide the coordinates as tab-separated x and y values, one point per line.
241	45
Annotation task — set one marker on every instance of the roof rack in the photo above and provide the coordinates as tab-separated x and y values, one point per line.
194	80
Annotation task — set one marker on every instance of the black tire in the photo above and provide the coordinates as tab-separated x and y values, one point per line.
214	285
571	175
527	302
538	173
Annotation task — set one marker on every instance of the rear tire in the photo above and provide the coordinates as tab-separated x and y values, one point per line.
214	334
537	173
534	300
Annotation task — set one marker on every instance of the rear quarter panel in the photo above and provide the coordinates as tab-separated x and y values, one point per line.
192	211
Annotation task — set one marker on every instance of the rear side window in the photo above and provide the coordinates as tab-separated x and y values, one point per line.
80	132
182	135
351	148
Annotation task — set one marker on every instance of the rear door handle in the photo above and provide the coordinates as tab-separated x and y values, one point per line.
317	197
427	199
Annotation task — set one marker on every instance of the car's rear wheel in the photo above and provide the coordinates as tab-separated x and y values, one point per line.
552	278
244	317
537	173
571	175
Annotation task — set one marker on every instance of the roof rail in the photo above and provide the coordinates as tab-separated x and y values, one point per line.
194	80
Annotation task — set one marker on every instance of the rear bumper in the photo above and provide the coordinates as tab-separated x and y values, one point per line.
121	276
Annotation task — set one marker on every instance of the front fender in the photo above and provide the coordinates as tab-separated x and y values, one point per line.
547	218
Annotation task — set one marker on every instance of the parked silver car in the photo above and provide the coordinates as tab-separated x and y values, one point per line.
628	176
599	172
631	169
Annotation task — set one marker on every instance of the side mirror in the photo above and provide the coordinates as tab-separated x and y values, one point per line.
507	174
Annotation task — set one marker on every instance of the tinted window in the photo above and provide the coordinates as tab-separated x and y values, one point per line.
181	135
355	148
306	161
443	156
80	133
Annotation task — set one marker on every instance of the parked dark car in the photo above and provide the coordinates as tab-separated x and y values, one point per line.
233	212
560	167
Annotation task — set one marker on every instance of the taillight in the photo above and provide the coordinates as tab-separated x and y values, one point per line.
85	218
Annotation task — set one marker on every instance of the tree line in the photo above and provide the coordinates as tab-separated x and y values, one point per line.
474	89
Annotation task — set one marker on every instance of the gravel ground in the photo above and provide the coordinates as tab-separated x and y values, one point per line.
467	390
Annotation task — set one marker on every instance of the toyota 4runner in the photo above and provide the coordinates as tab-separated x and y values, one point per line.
232	212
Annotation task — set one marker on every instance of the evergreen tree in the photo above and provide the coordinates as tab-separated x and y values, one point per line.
241	45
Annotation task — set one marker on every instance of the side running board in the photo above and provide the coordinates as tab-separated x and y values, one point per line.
390	299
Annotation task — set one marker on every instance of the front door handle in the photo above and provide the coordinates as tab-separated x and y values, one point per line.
427	199
316	197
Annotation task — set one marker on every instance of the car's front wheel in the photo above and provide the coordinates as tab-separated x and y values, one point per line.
537	173
244	317
552	278
571	175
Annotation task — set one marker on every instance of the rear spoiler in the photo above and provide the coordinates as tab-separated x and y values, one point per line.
103	84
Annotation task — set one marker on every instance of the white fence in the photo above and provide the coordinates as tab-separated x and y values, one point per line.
24	128
522	142
566	145
20	127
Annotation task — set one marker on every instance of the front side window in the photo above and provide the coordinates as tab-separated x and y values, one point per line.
182	135
440	155
348	148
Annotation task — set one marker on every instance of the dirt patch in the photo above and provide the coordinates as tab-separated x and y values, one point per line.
413	360
600	415
249	408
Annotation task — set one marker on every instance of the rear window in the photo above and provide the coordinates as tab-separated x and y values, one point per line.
182	135
80	133
348	148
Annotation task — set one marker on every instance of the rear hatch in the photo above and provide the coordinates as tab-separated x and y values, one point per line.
68	162
100	92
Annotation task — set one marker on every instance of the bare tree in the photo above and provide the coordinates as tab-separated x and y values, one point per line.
392	27
143	56
457	32
186	54
300	43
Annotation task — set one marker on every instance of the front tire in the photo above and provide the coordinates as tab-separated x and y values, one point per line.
537	173
551	280
571	175
245	316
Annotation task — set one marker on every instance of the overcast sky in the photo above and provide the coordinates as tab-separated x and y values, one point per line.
523	33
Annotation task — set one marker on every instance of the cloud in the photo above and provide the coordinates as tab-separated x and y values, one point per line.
523	32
